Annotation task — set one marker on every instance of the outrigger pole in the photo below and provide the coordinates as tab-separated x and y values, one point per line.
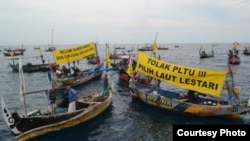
22	87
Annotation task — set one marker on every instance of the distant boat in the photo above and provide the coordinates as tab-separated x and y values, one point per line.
94	59
162	48
233	55
51	48
122	54
246	51
22	49
204	54
234	59
145	48
29	67
150	48
119	47
13	53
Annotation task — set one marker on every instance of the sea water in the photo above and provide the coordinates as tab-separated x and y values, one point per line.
126	119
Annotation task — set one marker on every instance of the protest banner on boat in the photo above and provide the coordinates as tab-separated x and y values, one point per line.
197	79
71	54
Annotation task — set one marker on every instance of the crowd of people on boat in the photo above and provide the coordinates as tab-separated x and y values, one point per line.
64	72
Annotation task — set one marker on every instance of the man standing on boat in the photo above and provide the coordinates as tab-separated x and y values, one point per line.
72	99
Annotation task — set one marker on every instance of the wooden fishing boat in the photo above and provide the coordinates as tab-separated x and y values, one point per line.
148	47
162	48
29	67
122	71
72	54
22	49
82	77
118	47
50	49
234	60
124	65
233	57
94	59
44	120
121	54
206	55
195	99
246	51
113	64
203	54
13	53
54	117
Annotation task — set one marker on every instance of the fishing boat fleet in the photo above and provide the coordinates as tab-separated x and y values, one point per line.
200	95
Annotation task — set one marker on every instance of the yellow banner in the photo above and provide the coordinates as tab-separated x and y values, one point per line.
67	55
200	80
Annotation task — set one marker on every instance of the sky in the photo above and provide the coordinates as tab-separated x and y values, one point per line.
33	22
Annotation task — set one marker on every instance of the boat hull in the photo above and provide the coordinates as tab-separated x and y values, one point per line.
234	60
119	56
45	124
173	102
151	49
206	55
14	54
31	68
86	76
246	52
203	54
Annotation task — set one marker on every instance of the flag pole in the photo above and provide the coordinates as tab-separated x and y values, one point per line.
157	82
155	45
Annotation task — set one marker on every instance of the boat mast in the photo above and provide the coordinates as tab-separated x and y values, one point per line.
96	43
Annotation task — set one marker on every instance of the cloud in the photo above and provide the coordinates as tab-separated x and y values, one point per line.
124	21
